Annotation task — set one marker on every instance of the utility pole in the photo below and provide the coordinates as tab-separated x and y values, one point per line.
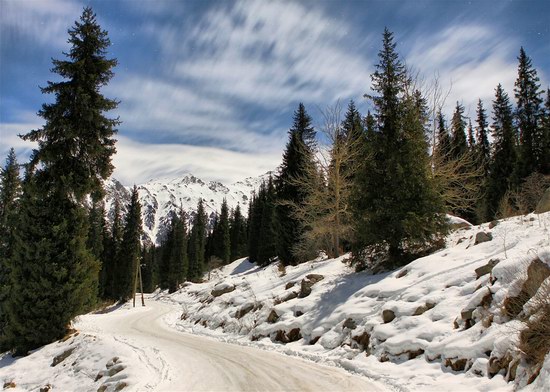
141	286
138	274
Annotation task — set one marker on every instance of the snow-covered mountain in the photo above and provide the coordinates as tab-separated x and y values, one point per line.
162	198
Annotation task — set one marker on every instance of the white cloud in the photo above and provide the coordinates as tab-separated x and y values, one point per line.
138	162
45	22
471	59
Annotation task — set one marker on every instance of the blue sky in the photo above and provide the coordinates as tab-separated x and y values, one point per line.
209	87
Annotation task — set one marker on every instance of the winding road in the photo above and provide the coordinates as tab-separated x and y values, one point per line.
184	362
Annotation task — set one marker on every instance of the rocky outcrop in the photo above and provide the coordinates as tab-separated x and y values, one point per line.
388	316
483	237
222	289
487	268
307	283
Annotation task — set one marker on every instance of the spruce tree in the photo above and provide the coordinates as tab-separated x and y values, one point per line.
197	243
225	238
269	228
443	143
546	134
483	146
529	115
254	222
397	208
10	189
471	138
238	234
504	155
130	250
54	276
97	232
178	261
296	158
459	145
112	249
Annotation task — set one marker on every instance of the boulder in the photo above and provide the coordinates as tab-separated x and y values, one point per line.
244	310
222	289
388	316
483	237
544	203
290	285
487	268
362	340
46	388
61	357
457	365
273	317
423	308
307	283
287	297
493	224
294	335
350	323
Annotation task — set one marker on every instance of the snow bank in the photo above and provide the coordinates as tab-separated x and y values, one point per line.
437	321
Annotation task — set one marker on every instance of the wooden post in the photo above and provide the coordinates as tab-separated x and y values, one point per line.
141	285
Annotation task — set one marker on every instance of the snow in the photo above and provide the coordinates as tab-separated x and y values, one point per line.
428	297
447	329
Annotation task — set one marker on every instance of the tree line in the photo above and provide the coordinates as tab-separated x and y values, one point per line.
380	189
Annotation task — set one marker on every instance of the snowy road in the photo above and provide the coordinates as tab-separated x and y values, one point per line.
177	361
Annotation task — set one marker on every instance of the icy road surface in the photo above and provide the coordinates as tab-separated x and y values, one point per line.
177	361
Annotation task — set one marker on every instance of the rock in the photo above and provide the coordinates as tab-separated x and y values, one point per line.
483	237
288	297
222	290
424	308
457	365
298	313
294	335
46	388
290	285
402	273
112	362
362	340
350	323
61	357
307	283
414	354
388	316
314	340
544	203
120	386
493	224
244	310
273	317
102	388
467	316
487	268
9	384
114	370
280	336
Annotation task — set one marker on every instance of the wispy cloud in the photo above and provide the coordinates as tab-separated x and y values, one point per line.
471	59
139	162
45	22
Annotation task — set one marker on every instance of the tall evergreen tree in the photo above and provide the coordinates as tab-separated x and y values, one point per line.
397	208
197	243
529	115
504	156
238	234
546	134
443	143
269	229
112	249
178	262
483	146
459	145
10	189
130	250
96	239
221	240
254	222
53	276
296	158
471	137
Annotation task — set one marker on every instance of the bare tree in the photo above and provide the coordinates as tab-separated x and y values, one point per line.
326	211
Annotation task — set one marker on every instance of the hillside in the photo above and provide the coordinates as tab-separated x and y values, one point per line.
163	197
450	319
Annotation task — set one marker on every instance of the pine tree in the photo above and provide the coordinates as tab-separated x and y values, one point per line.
96	240
218	243
396	206
53	276
130	250
197	242
529	116
238	234
269	229
459	146
443	145
483	146
178	261
76	144
254	222
112	249
296	158
504	155
546	134
10	189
